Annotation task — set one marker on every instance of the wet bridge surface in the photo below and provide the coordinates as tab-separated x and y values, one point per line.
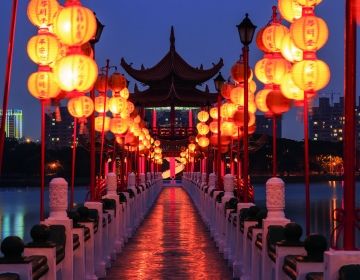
171	243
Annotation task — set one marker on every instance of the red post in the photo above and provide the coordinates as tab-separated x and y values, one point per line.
73	162
350	126
219	143
306	165
42	162
274	146
246	121
10	53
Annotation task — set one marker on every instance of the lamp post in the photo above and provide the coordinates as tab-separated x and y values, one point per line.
219	82
246	31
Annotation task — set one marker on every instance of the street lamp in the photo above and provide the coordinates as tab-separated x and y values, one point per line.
219	82
246	31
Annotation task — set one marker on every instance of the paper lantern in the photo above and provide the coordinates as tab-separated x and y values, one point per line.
203	142
213	126
130	107
252	106
309	3
202	128
260	100
101	83
124	93
309	33
75	25
227	128
157	143
290	10
43	49
271	70
214	113
238	118
118	125
76	72
203	116
310	75
277	103
41	13
99	121
252	129
137	119
80	107
42	85
101	102
227	110
117	104
224	149
237	96
226	89
224	140
117	82
238	73
259	41
272	36
191	147
290	51
290	90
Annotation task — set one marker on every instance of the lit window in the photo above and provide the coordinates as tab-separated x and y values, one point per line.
340	138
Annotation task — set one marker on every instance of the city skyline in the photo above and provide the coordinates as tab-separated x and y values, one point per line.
204	33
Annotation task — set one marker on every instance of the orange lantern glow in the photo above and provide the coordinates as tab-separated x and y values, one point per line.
260	100
237	72
130	107
191	147
117	82
259	41
239	118
99	104
226	90
237	96
311	75
202	128
277	103
271	70
42	85
101	83
80	106
227	110
43	48
224	149
137	119
214	113
290	10
99	121
203	142
76	72
289	50
157	143
213	126
309	33
272	36
75	25
117	104
118	125
41	13
124	93
203	116
252	129
227	128
290	90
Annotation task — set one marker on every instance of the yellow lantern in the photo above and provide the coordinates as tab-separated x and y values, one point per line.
157	143
80	106
202	128
42	85
203	116
158	150
227	110
252	86
75	25
182	154
213	127
260	100
237	72
137	119
214	113
311	75
117	82
203	142
237	96
99	121
99	104
309	3
101	83
252	106
125	114
271	70
124	93
118	125
309	33
41	13
130	107
76	72
290	90
290	51
227	128
117	104
273	35
290	9
192	147
43	49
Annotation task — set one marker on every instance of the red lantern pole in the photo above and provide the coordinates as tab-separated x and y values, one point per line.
350	127
246	122
274	146
73	162
10	53
306	165
42	162
219	144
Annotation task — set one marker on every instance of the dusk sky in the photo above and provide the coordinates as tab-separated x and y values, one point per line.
138	30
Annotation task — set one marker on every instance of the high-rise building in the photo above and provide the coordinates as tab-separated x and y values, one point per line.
59	134
264	126
14	123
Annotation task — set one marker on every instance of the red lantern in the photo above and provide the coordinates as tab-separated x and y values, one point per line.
277	103
117	82
226	90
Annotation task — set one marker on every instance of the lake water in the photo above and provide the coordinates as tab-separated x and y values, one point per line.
19	207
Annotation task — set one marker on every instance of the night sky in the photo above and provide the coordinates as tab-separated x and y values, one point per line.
139	31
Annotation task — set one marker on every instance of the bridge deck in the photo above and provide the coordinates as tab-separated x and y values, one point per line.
171	243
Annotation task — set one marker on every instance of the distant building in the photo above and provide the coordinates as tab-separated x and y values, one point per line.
59	134
264	126
14	123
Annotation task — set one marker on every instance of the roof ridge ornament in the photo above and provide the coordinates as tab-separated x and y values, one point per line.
172	39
